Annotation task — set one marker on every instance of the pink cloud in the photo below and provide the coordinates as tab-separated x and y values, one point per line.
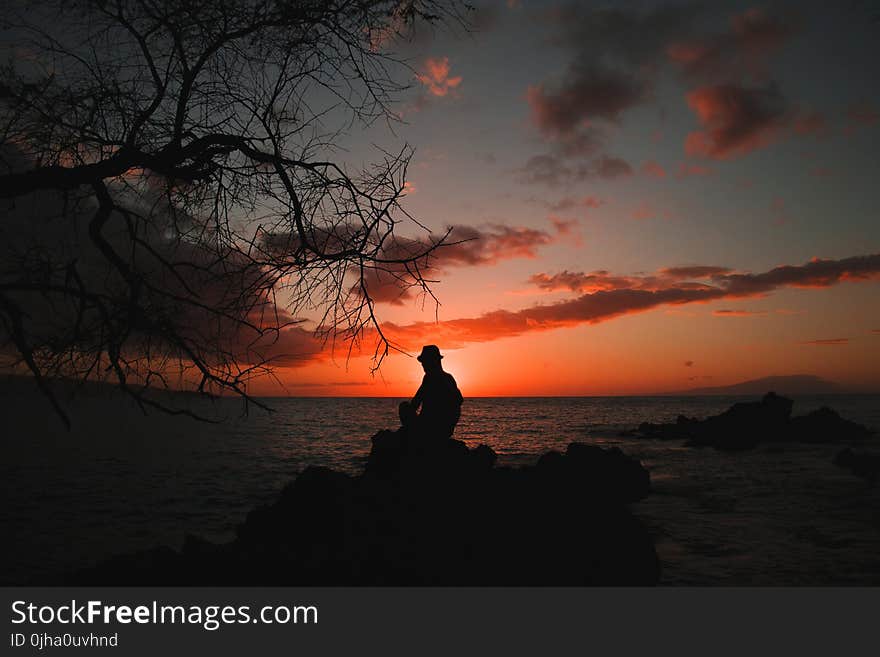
435	76
651	168
734	119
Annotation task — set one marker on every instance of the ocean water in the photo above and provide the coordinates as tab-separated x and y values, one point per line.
121	481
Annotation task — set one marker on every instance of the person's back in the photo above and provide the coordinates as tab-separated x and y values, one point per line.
441	401
438	398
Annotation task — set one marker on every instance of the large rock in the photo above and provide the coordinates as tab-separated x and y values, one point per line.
432	513
825	425
861	464
748	424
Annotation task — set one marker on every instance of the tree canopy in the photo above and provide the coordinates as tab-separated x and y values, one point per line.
173	200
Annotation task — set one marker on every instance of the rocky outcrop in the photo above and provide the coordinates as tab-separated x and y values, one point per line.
428	513
861	464
748	424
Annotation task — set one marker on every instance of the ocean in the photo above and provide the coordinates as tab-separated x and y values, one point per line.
121	481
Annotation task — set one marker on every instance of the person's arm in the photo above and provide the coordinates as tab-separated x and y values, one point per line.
420	393
456	393
457	399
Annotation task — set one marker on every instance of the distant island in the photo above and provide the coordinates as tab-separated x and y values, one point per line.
798	384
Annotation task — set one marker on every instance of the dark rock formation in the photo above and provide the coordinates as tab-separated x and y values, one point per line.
747	424
861	464
427	513
825	425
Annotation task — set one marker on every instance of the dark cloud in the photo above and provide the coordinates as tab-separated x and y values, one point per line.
653	169
613	55
611	167
862	113
464	246
827	342
617	296
733	312
589	94
811	123
629	38
740	52
196	298
735	119
815	274
470	246
738	107
687	170
569	203
584	142
694	271
554	171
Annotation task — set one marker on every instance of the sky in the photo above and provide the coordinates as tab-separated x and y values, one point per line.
655	196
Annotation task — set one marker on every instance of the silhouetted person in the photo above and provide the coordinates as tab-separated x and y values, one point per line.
438	397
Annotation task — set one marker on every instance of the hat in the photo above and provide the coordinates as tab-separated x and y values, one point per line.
430	352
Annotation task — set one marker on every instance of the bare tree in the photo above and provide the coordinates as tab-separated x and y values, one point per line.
173	204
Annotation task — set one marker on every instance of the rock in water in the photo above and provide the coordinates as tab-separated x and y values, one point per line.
825	425
748	424
862	464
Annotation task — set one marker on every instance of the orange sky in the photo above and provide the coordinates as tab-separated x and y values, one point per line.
689	200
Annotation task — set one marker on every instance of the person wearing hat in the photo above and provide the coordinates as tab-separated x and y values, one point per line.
436	406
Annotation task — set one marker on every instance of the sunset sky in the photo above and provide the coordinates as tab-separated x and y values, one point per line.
661	197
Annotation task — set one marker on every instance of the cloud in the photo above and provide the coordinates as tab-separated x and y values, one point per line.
741	51
738	313
435	76
597	281
554	171
491	244
644	211
686	170
569	203
759	32
612	52
693	271
565	227
739	109
651	168
288	347
817	273
587	94
828	342
611	68
192	296
686	276
394	282
612	167
586	142
610	297
862	113
330	384
811	123
735	119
